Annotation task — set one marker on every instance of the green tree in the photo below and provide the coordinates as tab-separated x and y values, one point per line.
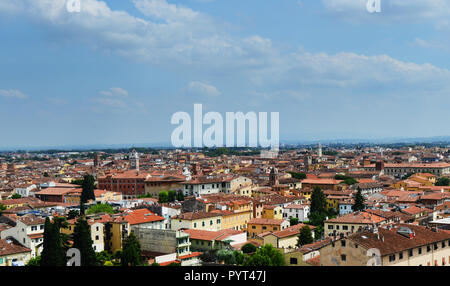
104	257
52	253
300	176
100	208
443	182
359	201
73	214
305	236
16	196
293	221
227	256
131	251
248	248
318	201
34	261
82	208
239	257
171	196
180	196
163	197
2	208
88	187
267	255
317	218
83	242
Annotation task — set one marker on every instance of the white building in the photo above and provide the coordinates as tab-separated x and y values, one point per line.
29	231
297	211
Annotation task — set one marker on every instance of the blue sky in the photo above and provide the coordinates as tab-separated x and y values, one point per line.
116	72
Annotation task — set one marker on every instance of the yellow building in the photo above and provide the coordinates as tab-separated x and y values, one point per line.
234	220
260	225
13	253
197	220
97	231
287	238
272	212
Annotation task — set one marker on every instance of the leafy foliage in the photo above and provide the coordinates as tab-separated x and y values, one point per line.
82	241
443	182
305	236
88	186
293	221
359	201
100	208
248	248
300	176
131	255
267	255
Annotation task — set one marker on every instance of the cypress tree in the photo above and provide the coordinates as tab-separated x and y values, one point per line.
48	245
305	236
359	201
318	201
83	242
53	253
131	255
88	189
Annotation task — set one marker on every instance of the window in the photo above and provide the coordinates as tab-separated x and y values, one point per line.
343	243
210	222
97	237
428	248
344	227
275	228
337	227
253	227
435	246
419	250
293	261
443	244
330	226
392	257
410	253
264	227
195	224
400	255
343	257
203	223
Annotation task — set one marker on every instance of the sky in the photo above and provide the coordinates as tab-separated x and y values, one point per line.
117	71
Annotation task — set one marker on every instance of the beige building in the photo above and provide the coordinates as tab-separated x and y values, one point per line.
197	220
12	253
287	238
351	223
396	245
260	225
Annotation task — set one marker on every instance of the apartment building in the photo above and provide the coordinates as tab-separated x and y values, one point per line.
390	245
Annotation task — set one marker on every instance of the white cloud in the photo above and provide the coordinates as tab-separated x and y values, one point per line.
201	88
183	38
437	11
12	93
115	91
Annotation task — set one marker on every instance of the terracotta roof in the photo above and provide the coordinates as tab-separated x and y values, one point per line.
358	218
12	247
211	235
265	221
142	216
391	241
